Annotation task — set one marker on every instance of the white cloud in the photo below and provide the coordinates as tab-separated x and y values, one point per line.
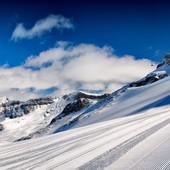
42	26
70	68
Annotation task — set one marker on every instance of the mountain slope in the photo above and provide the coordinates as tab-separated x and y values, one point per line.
37	117
96	146
128	100
126	130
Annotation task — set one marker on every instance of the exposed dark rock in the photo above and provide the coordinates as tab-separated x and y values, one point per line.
87	96
40	101
72	107
14	103
77	102
161	64
166	61
24	138
15	109
148	80
1	127
76	106
155	76
90	96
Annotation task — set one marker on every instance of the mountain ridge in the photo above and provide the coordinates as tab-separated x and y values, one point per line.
53	115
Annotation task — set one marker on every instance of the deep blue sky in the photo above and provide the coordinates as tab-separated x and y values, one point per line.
139	28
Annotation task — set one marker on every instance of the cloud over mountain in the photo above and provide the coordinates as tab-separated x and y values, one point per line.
72	67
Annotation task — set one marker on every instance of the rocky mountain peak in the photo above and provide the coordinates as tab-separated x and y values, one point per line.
166	61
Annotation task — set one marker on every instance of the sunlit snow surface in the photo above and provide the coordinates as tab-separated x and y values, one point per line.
129	131
134	142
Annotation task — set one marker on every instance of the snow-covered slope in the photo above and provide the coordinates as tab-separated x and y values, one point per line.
151	91
139	141
38	117
91	131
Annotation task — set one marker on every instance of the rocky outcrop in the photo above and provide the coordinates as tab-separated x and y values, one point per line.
165	62
15	109
158	74
77	102
151	78
1	127
80	95
24	138
72	107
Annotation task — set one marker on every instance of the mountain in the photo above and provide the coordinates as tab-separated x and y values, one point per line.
37	117
91	131
23	120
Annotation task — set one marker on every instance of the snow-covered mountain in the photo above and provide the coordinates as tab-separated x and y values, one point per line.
37	117
92	131
23	120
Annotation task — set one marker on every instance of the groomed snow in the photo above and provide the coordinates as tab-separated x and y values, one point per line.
95	146
127	132
152	153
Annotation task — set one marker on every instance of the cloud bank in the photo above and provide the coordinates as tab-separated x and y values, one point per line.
70	68
42	26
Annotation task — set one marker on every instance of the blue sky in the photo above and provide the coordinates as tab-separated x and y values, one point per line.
58	35
138	28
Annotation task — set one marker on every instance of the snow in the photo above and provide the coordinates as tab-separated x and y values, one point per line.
22	126
94	146
124	102
4	100
132	101
152	153
128	129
